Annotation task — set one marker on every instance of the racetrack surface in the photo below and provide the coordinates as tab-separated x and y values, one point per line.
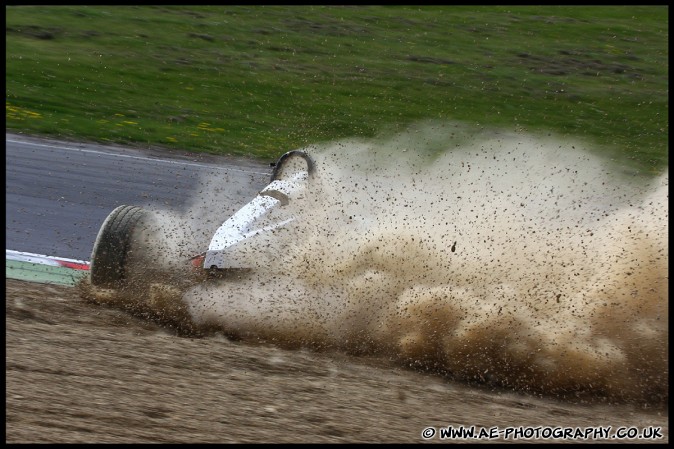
80	372
59	192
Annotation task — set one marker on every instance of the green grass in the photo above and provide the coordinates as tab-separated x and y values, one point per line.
260	80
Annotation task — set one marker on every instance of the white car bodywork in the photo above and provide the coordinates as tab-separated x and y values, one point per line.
264	213
251	220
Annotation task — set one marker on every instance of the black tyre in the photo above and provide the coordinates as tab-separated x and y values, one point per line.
292	161
108	259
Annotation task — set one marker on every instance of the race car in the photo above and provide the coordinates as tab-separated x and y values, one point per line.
119	256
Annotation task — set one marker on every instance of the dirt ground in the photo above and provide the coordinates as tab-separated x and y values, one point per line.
77	372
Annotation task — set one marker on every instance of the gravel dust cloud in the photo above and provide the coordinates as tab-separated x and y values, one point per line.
507	258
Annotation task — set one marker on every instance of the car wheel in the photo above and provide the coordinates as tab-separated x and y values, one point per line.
108	259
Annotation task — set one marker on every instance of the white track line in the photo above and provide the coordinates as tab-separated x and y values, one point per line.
192	164
41	259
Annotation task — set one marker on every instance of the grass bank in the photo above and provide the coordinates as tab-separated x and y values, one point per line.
260	80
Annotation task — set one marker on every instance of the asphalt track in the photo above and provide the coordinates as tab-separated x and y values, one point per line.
57	193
